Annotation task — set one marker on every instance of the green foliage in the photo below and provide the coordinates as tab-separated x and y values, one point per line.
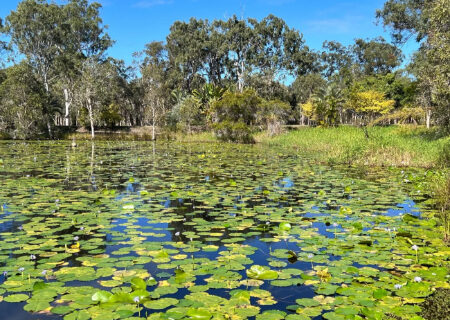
110	115
237	115
431	63
437	306
369	104
325	106
23	102
388	146
232	131
441	191
237	107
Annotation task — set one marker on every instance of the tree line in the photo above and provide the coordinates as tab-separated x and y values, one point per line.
234	76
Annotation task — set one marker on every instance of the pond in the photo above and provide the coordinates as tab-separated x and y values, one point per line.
111	230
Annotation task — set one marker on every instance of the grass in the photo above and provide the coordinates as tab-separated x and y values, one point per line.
400	146
386	146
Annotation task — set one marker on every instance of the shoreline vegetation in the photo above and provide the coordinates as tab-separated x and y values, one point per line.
396	146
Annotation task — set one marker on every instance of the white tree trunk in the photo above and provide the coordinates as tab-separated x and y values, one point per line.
91	117
153	123
428	115
67	103
47	89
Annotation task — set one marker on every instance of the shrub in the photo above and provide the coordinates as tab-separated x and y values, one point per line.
231	131
237	115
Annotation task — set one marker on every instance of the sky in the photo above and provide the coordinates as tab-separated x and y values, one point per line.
133	23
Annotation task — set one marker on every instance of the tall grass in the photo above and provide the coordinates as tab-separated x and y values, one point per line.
386	146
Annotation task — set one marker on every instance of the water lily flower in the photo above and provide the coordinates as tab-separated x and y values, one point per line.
76	238
44	272
417	279
267	223
310	256
5	273
20	227
398	286
32	257
21	269
414	247
177	234
335	225
81	228
136	299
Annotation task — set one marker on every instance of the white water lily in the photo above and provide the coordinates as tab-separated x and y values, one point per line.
398	286
417	279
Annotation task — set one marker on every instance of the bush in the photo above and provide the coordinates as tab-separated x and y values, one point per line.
110	115
230	131
237	115
237	107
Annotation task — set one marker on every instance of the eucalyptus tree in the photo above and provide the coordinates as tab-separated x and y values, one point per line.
56	39
100	91
3	46
155	82
241	41
23	102
425	20
185	45
33	33
83	36
376	56
337	61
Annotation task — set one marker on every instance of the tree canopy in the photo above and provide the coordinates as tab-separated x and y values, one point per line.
179	83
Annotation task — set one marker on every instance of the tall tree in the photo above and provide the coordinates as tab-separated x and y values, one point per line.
376	56
83	36
32	31
426	20
56	39
23	102
155	84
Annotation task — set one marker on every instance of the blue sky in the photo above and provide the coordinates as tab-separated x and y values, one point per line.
133	23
